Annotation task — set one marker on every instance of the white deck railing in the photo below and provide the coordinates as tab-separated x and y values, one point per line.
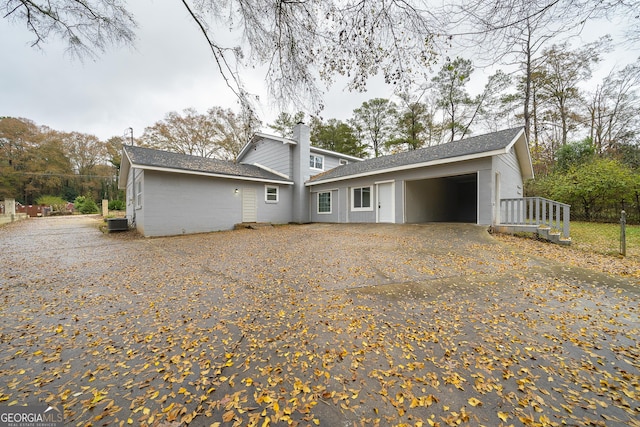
535	211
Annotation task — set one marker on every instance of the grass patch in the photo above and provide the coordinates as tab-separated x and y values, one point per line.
604	238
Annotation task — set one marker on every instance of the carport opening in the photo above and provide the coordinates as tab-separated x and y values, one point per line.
445	199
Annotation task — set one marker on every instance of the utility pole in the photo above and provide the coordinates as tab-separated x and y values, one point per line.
128	132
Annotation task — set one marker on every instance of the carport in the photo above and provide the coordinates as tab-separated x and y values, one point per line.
442	199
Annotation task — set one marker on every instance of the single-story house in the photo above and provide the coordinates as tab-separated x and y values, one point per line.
281	180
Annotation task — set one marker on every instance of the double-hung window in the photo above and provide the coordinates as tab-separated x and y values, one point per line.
361	199
316	162
271	193
324	202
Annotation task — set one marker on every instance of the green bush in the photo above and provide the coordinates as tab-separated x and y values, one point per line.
89	207
85	205
117	205
590	187
78	202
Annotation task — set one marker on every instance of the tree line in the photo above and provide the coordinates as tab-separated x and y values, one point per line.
547	88
567	115
37	161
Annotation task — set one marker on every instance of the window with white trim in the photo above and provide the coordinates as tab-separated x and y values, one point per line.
271	193
316	162
138	194
324	202
361	199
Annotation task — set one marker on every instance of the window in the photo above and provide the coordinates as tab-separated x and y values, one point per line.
316	162
361	199
271	194
138	194
324	202
343	162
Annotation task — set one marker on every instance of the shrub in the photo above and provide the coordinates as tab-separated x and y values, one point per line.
78	202
117	205
89	207
85	205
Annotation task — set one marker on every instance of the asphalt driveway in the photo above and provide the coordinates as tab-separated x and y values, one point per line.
336	325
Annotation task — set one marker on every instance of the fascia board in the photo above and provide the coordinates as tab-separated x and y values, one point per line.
259	135
211	174
273	171
524	156
273	138
125	166
335	154
410	166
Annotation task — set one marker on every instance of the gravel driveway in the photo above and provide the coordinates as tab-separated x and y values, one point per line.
320	324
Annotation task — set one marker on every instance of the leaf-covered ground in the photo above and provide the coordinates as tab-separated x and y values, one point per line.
333	325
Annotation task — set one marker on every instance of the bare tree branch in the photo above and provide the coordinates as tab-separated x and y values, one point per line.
87	27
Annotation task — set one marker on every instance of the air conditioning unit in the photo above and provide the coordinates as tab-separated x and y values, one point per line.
117	224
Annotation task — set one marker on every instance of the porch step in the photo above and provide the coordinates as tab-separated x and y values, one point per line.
546	233
541	231
252	225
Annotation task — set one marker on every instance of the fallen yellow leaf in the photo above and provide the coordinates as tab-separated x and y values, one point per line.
474	402
503	416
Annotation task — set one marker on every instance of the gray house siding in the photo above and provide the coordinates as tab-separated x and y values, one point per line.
275	212
507	166
135	209
275	155
330	162
129	195
485	201
336	207
420	194
508	182
182	204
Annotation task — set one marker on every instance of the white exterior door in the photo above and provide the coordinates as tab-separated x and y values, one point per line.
386	202
249	205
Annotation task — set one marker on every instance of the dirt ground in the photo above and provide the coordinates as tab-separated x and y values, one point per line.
332	325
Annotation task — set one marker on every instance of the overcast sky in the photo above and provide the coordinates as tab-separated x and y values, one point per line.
169	69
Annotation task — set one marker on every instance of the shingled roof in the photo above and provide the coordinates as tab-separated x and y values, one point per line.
148	158
474	147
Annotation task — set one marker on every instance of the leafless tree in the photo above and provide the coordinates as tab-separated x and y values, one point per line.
234	130
88	27
187	133
305	44
302	43
558	83
614	109
514	32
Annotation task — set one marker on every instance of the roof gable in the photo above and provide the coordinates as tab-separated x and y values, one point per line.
151	159
258	136
470	148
